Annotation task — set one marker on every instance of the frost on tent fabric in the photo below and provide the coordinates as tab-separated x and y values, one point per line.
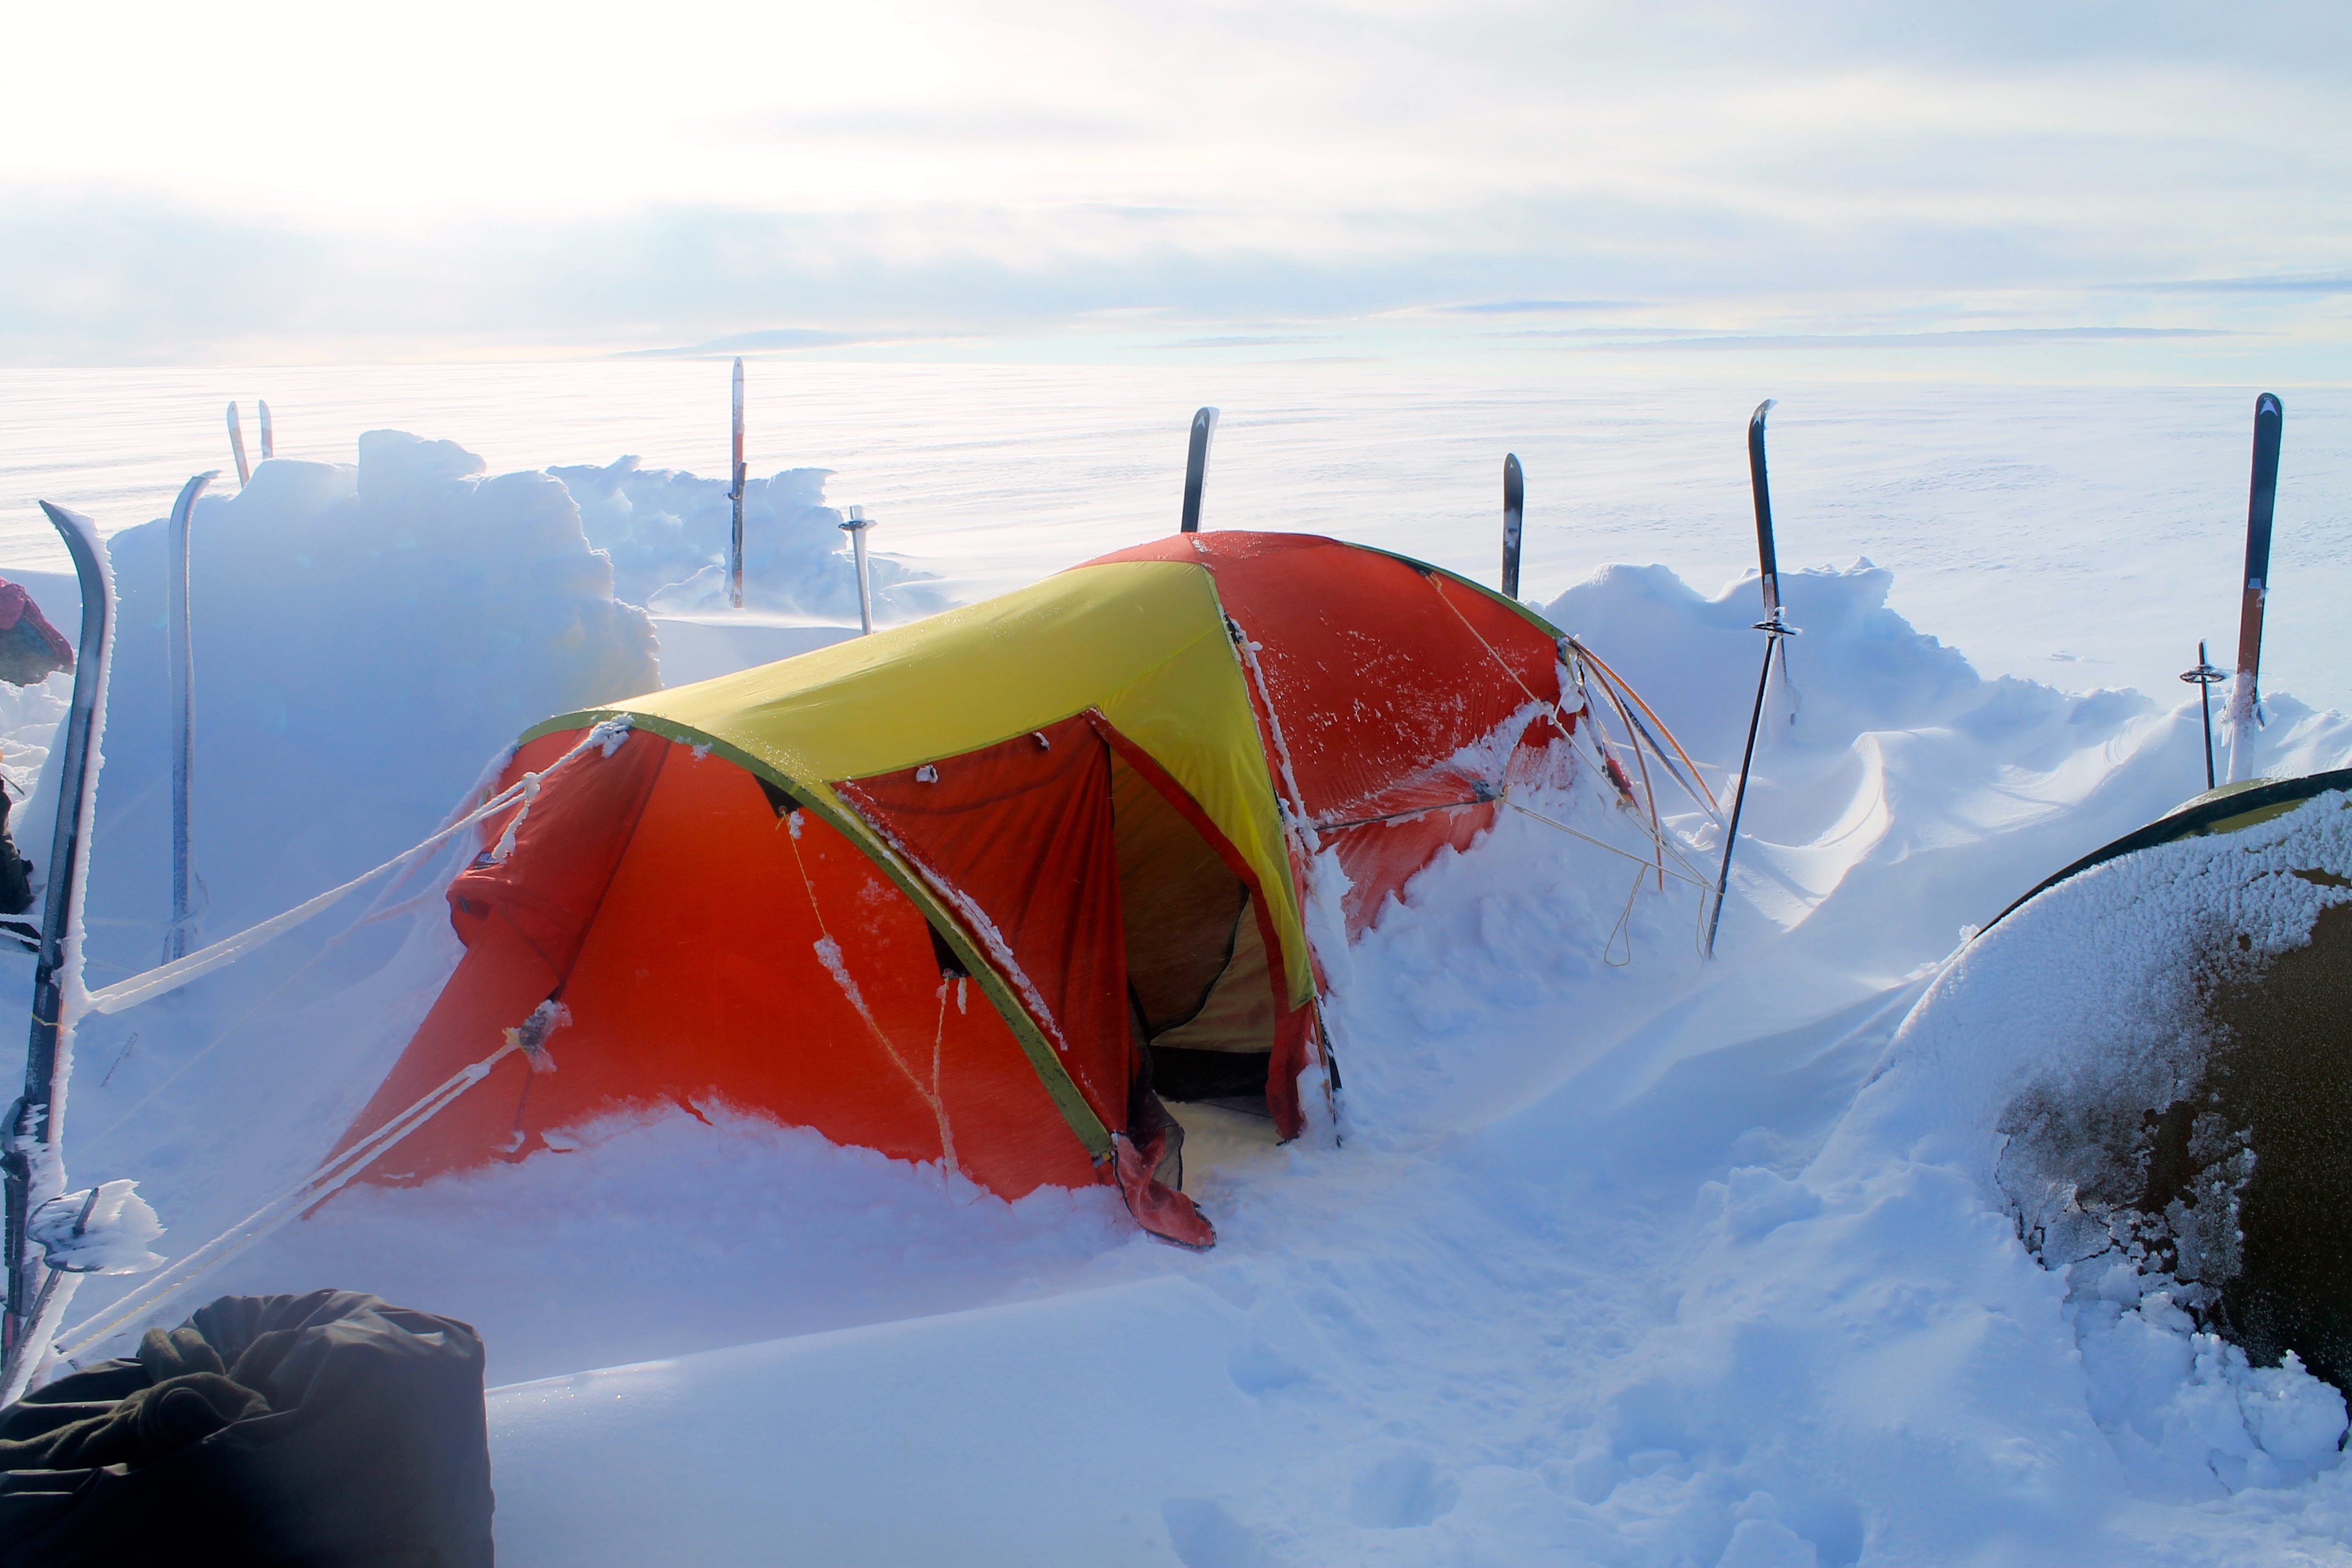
2160	1044
989	891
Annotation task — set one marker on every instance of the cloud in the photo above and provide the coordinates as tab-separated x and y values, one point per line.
1242	340
1538	307
768	340
933	125
2293	286
1984	337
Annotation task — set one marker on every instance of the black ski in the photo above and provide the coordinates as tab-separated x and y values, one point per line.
1196	467
2261	502
1515	499
1774	628
32	1163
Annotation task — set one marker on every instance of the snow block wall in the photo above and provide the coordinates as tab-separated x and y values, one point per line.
667	533
367	637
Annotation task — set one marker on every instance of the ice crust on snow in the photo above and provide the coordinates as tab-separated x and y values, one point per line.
1618	1265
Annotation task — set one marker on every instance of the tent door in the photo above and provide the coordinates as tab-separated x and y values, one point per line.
1202	988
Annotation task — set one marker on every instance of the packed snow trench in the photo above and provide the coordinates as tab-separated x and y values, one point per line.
1612	1256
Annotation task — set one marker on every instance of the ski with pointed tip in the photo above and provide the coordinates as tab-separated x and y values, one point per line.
30	1158
735	494
2262	502
237	448
183	682
1196	469
1514	503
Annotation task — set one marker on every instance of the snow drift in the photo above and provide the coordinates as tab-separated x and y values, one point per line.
667	534
1611	1263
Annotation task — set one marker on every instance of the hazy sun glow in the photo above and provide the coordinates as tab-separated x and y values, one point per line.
180	180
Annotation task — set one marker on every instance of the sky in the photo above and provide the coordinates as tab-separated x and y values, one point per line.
2084	190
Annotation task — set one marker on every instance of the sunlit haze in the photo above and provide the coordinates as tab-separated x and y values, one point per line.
2094	192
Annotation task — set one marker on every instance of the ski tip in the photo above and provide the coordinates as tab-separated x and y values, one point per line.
67	520
1756	420
2268	403
1515	482
1205	418
190	491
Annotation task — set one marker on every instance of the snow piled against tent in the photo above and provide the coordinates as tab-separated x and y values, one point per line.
367	639
1604	1261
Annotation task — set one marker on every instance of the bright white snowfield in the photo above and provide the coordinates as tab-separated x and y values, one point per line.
1614	1256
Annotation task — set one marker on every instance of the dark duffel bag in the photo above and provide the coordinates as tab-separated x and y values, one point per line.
331	1430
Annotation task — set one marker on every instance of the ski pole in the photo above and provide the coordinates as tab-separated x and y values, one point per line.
2202	677
1515	496
2261	502
1774	628
1196	467
855	525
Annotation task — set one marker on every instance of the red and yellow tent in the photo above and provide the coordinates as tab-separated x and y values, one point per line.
984	888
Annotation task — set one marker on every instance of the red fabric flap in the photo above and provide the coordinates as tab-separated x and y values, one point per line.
1018	838
566	849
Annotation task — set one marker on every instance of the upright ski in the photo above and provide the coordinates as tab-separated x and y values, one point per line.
1774	628
30	1154
237	448
1515	498
269	445
735	494
1196	467
2261	502
184	684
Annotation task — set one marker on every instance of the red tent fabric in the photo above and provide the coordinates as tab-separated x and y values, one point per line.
997	957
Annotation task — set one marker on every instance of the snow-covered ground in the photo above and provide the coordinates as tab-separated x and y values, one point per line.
2085	536
1605	1261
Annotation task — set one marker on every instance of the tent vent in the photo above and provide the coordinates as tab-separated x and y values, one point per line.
950	966
780	800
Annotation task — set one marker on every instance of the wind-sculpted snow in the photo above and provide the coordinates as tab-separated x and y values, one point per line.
1610	1258
364	637
667	533
2042	1063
